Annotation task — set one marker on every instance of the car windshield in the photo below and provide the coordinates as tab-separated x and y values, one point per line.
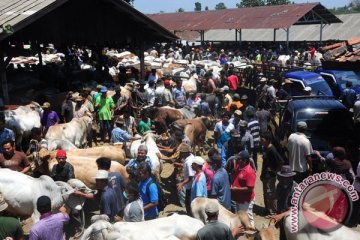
326	127
319	87
347	76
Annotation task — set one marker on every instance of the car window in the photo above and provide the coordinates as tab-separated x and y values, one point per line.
320	88
297	88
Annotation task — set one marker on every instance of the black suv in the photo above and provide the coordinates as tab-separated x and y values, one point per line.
329	122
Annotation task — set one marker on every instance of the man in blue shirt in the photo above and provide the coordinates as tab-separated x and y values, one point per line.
133	164
179	94
108	195
198	188
220	186
148	192
5	134
119	135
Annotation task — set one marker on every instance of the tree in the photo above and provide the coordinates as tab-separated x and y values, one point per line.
180	10
197	7
206	8
277	2
220	6
250	3
355	5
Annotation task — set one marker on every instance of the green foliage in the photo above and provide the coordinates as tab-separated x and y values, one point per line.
197	7
206	8
180	10
353	7
277	2
220	5
250	3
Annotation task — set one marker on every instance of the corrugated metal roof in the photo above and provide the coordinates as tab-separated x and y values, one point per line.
20	14
337	31
282	16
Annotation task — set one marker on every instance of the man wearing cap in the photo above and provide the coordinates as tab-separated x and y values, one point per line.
300	149
167	95
10	227
179	94
189	173
254	129
98	92
63	170
261	89
307	91
12	159
215	230
80	109
271	92
107	194
198	187
119	135
51	225
177	138
5	133
235	120
243	184
105	105
284	192
48	118
246	107
220	186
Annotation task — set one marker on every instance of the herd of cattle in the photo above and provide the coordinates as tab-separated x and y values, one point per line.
21	191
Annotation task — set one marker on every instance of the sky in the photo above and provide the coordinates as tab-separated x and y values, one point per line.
155	6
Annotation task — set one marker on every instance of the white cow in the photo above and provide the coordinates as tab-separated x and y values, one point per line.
22	191
174	227
153	151
76	131
308	232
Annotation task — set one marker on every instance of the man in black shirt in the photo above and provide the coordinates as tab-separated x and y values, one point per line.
63	171
272	162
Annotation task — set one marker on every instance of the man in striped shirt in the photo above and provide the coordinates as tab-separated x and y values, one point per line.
254	128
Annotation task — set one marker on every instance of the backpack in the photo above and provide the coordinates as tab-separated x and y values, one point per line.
162	202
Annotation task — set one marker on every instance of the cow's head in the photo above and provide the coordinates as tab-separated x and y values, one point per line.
35	107
99	229
40	161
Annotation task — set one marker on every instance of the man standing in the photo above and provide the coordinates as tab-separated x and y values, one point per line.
167	95
12	159
105	105
51	225
242	187
62	171
198	187
5	133
129	123
272	162
215	230
220	186
119	135
148	192
107	195
133	164
263	117
254	129
179	94
246	139
116	182
48	118
10	227
300	150
221	128
151	93
189	173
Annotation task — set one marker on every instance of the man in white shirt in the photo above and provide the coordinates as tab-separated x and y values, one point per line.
151	93
300	150
189	173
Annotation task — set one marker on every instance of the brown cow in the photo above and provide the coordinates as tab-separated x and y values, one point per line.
163	117
84	166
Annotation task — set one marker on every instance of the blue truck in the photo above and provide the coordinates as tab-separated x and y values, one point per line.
337	79
302	79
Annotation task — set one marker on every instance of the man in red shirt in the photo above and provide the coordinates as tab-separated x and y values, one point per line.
233	82
243	183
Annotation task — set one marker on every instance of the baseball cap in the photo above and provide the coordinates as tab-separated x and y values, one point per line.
225	88
307	89
61	153
263	79
199	160
301	125
244	155
238	112
243	123
167	82
103	89
212	208
101	174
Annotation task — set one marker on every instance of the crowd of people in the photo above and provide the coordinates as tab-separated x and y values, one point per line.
229	171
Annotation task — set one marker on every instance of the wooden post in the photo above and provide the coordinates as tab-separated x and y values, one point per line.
4	85
142	61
